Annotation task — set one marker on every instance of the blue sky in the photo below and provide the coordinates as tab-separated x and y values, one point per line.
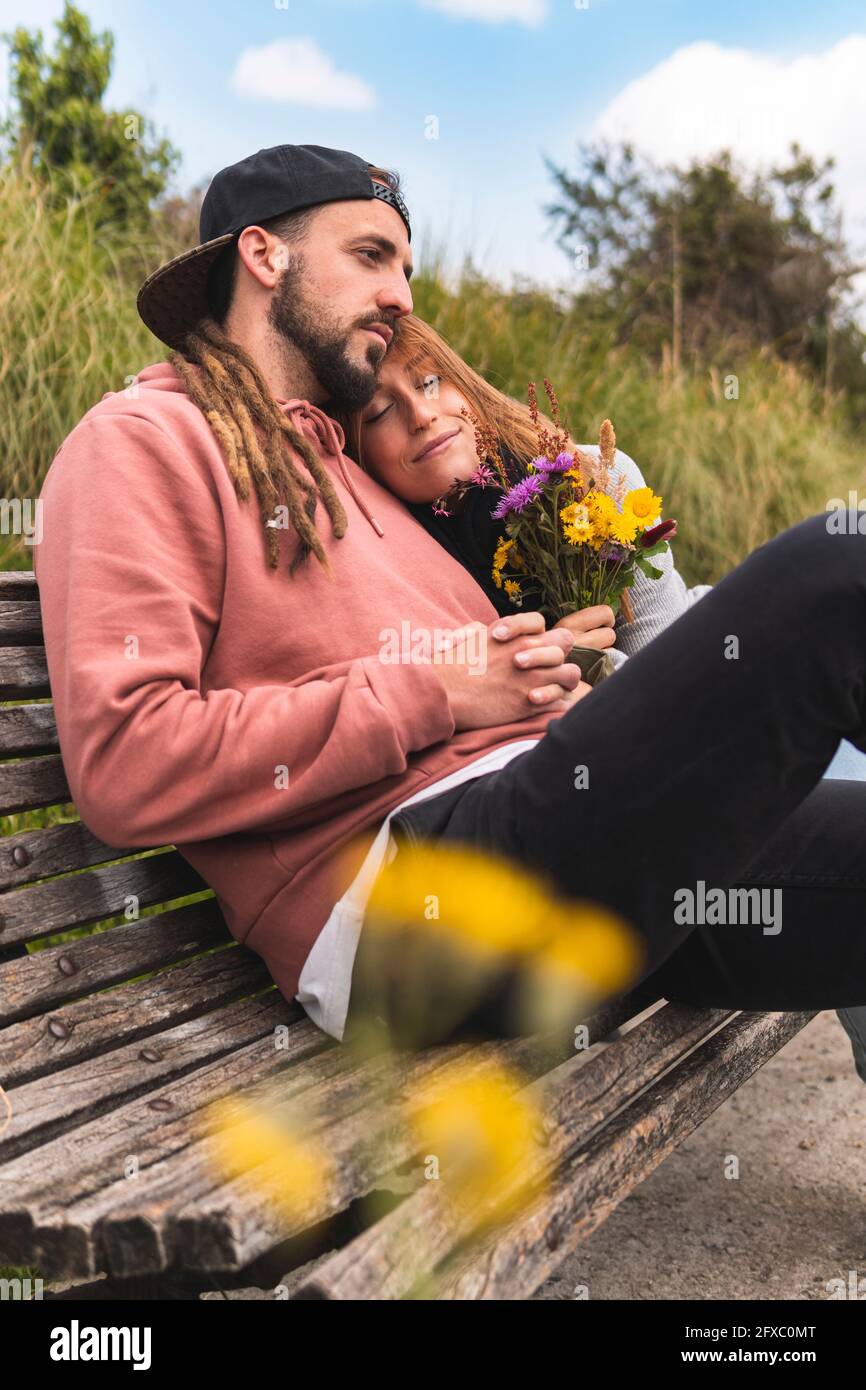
507	80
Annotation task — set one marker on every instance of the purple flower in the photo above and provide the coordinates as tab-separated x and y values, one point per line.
611	551
561	463
518	497
438	508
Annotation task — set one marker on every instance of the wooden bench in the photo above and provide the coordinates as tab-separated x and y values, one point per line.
114	1043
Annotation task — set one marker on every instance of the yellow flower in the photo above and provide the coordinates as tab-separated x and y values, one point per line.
490	904
512	588
624	527
576	523
277	1158
444	922
479	1127
575	475
500	559
602	511
643	502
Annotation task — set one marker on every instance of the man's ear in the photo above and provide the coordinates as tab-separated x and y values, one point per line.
264	255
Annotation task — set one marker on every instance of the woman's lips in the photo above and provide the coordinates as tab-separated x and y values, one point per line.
438	448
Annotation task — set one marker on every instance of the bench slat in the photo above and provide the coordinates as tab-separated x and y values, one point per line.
23	672
575	1100
53	1104
92	1023
57	849
28	729
205	1223
152	1221
27	914
18	584
32	784
20	622
37	1222
45	979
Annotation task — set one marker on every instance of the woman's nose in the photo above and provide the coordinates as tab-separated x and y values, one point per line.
422	412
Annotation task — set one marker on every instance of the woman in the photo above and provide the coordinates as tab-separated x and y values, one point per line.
415	440
424	383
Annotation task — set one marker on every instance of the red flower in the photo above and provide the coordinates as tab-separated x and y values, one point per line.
664	531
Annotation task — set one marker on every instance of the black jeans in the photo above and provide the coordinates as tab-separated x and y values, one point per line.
703	760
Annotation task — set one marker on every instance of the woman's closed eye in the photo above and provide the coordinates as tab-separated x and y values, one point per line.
371	420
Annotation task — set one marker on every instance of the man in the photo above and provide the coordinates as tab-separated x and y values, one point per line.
217	665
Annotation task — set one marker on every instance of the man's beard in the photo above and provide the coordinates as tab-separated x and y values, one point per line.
349	385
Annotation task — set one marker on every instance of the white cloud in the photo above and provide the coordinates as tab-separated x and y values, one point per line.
296	70
704	98
529	12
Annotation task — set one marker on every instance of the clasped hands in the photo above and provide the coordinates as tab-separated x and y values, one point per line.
524	668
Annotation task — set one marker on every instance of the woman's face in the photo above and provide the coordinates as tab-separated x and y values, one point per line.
414	440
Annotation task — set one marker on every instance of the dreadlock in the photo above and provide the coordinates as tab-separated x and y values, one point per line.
234	398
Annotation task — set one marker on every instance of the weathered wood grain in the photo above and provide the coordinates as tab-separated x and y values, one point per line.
20	622
28	914
81	1092
226	1224
18	584
23	673
101	1022
36	983
27	729
57	849
574	1100
39	1187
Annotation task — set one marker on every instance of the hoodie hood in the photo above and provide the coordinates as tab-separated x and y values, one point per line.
326	435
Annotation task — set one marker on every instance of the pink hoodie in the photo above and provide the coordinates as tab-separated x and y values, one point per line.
240	713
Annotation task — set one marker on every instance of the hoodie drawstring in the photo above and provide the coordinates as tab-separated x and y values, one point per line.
332	441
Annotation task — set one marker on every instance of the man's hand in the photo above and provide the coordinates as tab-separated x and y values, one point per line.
508	671
591	627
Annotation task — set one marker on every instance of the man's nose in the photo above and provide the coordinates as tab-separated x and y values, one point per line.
396	296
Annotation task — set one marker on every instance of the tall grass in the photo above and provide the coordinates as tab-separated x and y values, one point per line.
69	330
733	471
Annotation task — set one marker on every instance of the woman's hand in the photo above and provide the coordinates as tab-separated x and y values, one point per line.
591	627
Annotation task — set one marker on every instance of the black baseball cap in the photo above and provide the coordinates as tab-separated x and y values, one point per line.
284	178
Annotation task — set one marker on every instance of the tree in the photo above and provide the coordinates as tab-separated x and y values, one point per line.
687	260
60	127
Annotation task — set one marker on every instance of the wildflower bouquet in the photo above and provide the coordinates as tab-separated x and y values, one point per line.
571	536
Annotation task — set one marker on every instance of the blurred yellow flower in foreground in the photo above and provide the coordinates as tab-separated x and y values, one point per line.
480	1129
248	1142
445	923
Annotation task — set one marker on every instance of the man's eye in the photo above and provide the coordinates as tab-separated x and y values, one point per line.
371	251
